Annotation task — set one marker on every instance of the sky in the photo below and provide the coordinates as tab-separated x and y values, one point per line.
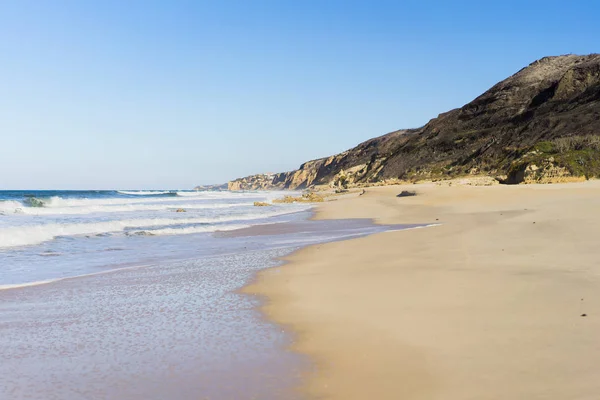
171	94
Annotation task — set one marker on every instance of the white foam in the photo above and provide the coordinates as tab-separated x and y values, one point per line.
191	229
142	192
59	205
33	234
80	206
191	194
47	281
9	206
56	201
27	284
121	208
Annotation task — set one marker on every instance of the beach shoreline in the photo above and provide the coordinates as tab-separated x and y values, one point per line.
487	305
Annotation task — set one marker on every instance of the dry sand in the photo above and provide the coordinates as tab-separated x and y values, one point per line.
486	306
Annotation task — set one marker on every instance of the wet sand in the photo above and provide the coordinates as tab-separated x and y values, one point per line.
488	305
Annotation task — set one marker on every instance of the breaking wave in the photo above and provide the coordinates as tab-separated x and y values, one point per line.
9	206
18	208
143	192
34	234
70	205
189	230
190	194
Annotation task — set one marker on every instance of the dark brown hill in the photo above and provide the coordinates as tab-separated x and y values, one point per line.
540	125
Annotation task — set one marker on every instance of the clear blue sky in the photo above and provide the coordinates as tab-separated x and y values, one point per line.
170	94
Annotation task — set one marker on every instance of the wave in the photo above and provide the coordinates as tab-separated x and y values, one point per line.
189	230
9	206
27	284
123	208
144	192
68	205
15	236
57	201
191	194
54	280
33	202
61	202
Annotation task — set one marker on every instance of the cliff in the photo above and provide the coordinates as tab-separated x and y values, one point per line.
255	182
542	124
222	186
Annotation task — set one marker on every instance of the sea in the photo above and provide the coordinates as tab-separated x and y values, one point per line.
135	294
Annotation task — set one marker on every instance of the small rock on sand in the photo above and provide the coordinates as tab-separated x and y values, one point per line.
406	193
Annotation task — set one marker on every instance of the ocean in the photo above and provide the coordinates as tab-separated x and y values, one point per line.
134	294
46	235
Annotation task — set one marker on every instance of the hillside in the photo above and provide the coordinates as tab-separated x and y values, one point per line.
542	124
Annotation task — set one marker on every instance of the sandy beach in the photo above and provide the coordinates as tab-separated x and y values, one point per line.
487	305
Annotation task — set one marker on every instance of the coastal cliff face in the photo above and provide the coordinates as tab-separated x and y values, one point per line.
222	186
255	182
540	125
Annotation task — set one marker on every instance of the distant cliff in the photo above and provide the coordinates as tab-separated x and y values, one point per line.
255	182
542	124
222	186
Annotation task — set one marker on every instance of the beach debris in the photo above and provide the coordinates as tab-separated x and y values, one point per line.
406	193
180	210
584	315
261	204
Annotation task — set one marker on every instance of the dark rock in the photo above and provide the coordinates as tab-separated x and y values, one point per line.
406	193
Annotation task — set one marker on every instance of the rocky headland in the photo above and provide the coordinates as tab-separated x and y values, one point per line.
541	125
201	188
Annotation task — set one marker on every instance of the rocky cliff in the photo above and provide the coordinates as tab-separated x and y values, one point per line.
222	186
540	125
255	182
